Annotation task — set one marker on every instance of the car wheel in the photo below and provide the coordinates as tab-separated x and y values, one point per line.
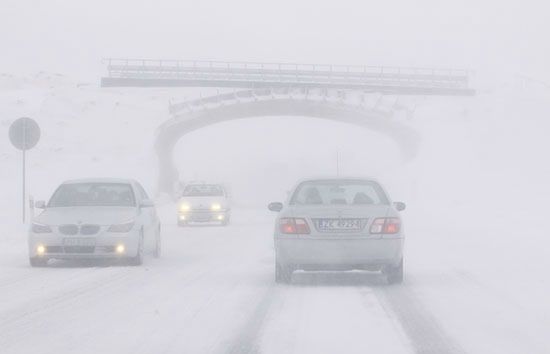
182	223
394	275
158	245
225	222
138	259
38	262
283	273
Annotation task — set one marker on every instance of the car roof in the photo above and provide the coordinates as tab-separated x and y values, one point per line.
337	178
100	180
204	184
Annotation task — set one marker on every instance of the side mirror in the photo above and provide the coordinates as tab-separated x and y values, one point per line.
275	206
40	204
147	203
399	206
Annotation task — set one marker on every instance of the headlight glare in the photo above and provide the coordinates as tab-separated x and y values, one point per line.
120	249
185	207
40	250
216	206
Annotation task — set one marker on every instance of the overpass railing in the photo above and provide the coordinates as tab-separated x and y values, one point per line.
184	73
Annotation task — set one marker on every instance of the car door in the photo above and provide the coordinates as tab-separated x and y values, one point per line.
148	220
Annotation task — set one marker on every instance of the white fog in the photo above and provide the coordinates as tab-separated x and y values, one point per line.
300	216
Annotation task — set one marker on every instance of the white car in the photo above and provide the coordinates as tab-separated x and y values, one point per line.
338	224
95	218
204	204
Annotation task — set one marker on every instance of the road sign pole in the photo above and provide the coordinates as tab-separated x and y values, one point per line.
24	174
24	202
24	134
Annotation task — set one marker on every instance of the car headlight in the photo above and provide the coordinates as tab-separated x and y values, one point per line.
216	207
185	207
125	227
40	250
120	249
40	228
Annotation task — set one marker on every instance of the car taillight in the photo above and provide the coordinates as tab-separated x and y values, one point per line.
293	226
385	226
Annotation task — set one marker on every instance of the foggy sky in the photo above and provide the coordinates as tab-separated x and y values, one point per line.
70	37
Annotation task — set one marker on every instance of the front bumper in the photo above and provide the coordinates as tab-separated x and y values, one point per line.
337	253
103	245
203	216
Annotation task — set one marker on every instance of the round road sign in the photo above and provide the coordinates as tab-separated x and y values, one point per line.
24	133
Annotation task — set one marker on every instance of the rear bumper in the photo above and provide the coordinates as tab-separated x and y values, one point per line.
339	253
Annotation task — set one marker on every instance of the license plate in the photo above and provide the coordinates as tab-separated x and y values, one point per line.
339	224
79	242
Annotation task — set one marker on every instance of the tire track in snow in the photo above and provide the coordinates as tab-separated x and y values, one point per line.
423	330
52	302
189	313
247	341
119	282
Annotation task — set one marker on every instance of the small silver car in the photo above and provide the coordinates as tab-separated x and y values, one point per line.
338	224
204	204
95	218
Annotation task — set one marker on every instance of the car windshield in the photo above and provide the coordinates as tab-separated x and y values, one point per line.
203	190
339	192
93	194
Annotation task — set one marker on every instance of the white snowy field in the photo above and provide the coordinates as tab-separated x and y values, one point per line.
477	249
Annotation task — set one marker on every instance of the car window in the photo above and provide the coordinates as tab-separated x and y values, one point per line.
338	192
203	190
142	192
93	194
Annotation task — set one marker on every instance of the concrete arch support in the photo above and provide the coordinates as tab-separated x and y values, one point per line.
191	116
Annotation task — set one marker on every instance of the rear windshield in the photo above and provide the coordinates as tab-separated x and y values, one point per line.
93	194
338	192
203	190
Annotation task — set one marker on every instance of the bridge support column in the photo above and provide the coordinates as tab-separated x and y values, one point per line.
168	173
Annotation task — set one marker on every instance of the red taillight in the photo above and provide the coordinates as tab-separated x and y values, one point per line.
385	226
293	226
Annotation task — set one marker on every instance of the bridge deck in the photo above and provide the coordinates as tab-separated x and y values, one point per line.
177	73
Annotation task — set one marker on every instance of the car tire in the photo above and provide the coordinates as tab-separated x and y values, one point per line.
137	260
38	262
394	275
225	222
158	245
283	273
182	223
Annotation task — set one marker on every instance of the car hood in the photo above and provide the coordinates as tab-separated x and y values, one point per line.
86	215
203	202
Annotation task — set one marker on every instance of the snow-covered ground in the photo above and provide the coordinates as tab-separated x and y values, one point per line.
477	248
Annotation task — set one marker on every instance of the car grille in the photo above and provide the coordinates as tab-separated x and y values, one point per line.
79	249
54	249
76	249
72	229
89	229
68	229
106	249
201	218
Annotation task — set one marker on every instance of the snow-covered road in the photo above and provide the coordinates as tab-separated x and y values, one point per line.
213	292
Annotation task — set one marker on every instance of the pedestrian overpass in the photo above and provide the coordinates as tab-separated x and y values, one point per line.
343	93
